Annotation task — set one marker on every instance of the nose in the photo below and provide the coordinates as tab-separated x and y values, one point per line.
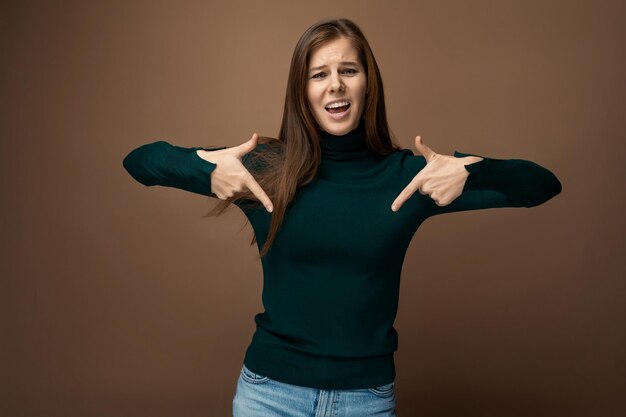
335	83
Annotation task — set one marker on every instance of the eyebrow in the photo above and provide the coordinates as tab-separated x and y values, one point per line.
342	63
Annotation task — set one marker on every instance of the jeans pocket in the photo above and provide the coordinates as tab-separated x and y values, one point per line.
252	377
384	391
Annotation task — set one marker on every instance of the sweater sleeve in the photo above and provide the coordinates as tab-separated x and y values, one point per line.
501	183
161	163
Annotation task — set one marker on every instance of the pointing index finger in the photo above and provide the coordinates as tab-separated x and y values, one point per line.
259	193
407	192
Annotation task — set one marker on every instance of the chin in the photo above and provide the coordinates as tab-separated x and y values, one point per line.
339	130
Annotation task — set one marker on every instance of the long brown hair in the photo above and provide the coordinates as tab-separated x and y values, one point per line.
282	165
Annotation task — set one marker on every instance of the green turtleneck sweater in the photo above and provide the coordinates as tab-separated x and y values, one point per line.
332	276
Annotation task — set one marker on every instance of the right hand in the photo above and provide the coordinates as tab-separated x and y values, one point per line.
230	176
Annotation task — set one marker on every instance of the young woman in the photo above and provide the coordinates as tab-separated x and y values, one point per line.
333	205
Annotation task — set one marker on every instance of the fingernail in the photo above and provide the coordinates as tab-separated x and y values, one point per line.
394	208
270	209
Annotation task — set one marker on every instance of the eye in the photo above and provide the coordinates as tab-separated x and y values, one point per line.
350	71
318	75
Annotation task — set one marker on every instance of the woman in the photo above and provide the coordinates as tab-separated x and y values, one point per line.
333	207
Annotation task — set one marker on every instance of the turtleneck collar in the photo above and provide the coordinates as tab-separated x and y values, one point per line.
347	158
350	146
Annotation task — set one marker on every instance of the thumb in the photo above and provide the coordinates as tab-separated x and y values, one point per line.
248	146
423	149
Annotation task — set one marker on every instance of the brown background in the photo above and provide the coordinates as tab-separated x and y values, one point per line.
119	300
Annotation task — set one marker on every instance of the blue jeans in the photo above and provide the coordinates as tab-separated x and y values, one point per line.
259	396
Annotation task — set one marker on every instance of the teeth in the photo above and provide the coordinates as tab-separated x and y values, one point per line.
337	104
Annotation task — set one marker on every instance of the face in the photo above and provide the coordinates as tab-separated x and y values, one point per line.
336	85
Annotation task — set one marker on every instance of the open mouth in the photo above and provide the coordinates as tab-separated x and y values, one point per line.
338	107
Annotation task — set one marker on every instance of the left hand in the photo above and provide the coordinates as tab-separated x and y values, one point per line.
443	177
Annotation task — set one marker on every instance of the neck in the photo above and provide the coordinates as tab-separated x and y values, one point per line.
346	158
344	147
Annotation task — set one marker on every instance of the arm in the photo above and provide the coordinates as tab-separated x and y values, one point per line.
219	173
161	163
471	182
501	183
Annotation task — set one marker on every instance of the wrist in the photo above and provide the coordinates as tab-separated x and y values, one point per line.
207	155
